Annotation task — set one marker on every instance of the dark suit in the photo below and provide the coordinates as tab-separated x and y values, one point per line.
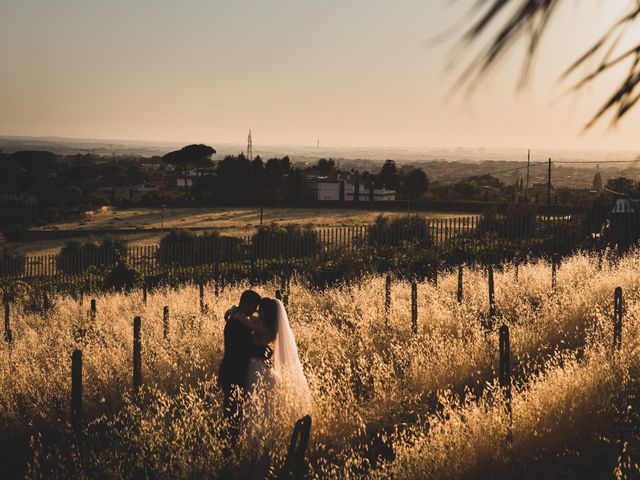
239	347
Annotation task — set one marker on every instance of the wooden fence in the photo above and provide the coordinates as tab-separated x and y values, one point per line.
458	237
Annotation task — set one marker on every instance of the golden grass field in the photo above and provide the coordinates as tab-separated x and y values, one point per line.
229	221
433	396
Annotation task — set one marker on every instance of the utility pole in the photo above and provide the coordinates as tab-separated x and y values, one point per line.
163	207
549	185
528	167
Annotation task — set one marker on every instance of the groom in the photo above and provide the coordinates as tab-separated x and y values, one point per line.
238	350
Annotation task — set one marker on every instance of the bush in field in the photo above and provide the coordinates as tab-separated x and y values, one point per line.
338	266
487	250
77	256
186	248
12	261
122	277
515	223
393	232
276	241
409	261
15	291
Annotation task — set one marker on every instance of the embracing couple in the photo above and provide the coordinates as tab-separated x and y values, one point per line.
260	363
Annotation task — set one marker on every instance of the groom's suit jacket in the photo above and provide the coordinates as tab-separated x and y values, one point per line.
239	347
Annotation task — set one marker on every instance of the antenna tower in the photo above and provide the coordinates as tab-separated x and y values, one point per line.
249	148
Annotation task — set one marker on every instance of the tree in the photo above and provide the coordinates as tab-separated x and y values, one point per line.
388	176
516	20
233	175
621	185
191	156
285	164
326	167
597	182
415	184
257	175
294	186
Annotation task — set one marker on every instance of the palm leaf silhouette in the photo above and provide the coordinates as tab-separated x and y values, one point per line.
512	20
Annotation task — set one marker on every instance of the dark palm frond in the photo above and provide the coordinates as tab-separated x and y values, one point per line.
516	19
530	18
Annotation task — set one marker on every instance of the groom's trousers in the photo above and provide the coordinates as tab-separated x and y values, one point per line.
233	411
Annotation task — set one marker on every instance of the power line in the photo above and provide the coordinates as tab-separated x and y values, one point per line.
494	172
591	162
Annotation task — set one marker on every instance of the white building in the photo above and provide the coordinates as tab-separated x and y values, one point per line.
24	198
192	175
329	190
625	205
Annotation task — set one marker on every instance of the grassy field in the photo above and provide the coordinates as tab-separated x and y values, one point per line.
229	221
431	397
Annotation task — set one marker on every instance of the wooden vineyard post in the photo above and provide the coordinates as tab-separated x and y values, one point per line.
45	301
203	306
7	322
137	355
144	293
460	283
414	307
435	275
505	370
516	269
387	298
165	322
617	319
93	311
76	388
81	297
295	465
492	298
554	270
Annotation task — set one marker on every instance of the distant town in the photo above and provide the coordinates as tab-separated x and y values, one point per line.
43	181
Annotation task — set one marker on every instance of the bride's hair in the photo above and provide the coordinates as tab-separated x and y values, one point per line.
269	312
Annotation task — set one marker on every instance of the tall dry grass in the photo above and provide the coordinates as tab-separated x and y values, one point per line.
432	395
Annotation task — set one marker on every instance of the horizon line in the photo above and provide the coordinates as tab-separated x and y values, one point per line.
311	146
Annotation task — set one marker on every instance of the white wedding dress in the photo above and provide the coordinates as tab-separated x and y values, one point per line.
280	390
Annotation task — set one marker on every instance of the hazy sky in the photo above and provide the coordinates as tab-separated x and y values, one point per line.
351	72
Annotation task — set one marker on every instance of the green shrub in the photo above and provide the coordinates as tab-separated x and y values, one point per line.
490	249
12	261
185	248
338	266
409	260
393	232
517	222
16	291
77	256
276	241
122	277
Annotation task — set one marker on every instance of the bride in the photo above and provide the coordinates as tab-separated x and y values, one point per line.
276	384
